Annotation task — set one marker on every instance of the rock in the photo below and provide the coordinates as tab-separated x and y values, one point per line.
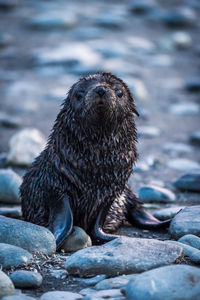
25	146
77	240
70	55
141	46
53	20
114	283
195	138
12	212
9	186
183	164
153	193
187	221
104	294
7	5
167	283
87	33
59	274
9	121
181	40
90	281
142	7
191	240
26	279
117	49
13	256
167	213
109	259
193	85
177	148
31	237
18	297
191	252
6	285
184	109
188	182
178	19
148	131
110	20
138	89
60	295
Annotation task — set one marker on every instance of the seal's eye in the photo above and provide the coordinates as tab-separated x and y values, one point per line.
79	95
119	93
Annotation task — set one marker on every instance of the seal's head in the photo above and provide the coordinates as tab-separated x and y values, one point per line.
101	99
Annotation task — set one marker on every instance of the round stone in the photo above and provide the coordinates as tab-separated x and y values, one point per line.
26	279
156	194
188	182
77	240
6	285
9	186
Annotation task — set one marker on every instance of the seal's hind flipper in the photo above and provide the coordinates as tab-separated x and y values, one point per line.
61	220
143	219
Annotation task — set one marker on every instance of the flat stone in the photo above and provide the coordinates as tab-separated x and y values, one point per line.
103	294
26	279
25	145
12	212
195	138
188	182
28	236
69	55
187	221
6	285
109	259
87	33
191	252
193	85
148	131
141	7
154	193
13	256
183	164
167	213
110	20
90	281
177	148
115	282
18	297
191	240
9	121
141	45
9	186
77	240
167	283
184	109
53	20
161	60
60	295
178	19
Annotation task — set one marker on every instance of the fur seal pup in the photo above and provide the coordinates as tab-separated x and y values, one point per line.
81	176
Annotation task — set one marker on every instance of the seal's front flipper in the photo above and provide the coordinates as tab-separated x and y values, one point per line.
97	234
142	219
61	218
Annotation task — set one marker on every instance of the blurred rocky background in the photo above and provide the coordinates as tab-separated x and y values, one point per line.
153	45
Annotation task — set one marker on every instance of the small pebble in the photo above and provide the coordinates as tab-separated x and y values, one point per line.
156	194
13	256
191	240
59	274
6	285
188	182
77	240
26	279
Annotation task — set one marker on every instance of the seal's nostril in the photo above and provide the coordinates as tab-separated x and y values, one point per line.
100	90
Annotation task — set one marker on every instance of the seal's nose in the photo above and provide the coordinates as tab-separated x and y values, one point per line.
100	90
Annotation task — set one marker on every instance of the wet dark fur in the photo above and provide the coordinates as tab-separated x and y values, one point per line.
89	159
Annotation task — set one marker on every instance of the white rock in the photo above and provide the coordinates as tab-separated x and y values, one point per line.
184	109
60	295
183	164
6	285
25	146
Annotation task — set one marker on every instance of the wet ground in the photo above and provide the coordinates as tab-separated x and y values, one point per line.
141	48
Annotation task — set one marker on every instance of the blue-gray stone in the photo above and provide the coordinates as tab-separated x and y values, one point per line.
9	121
191	240
6	285
60	295
184	109
26	279
13	256
187	221
193	85
9	186
12	212
18	297
181	19
77	240
183	164
90	281
142	7
195	138
153	193
115	282
109	259
191	252
28	236
110	20
188	182
167	213
166	283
